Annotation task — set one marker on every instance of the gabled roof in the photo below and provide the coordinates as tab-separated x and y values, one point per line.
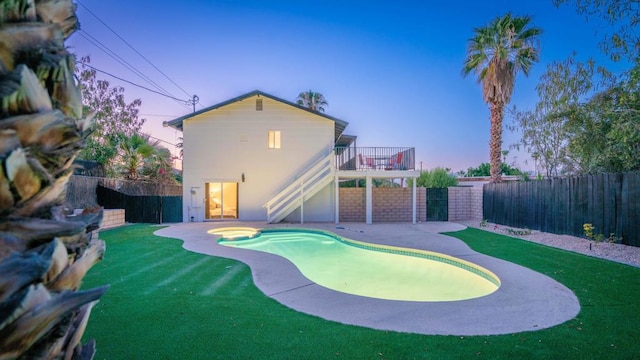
177	123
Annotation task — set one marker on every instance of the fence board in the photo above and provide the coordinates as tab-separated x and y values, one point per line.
611	202
171	209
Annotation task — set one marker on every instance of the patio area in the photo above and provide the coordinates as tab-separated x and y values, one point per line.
526	300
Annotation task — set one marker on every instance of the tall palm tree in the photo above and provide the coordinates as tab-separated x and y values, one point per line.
313	100
44	251
496	54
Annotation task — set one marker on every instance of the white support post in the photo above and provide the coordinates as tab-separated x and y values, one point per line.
369	201
414	200
337	198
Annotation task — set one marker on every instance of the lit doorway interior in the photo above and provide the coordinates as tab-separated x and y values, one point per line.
222	200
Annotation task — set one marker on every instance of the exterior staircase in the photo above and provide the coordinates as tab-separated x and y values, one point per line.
309	183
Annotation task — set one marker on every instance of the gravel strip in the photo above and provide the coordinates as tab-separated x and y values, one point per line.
624	254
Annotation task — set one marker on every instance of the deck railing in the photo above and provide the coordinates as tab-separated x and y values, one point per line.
375	158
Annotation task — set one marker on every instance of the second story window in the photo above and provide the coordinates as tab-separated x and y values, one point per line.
258	104
274	139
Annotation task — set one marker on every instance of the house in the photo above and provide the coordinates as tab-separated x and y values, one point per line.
261	158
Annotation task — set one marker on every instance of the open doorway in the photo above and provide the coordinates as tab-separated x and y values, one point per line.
221	200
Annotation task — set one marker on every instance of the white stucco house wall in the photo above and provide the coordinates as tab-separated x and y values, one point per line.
240	153
258	157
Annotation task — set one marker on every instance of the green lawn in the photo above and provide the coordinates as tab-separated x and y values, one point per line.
168	303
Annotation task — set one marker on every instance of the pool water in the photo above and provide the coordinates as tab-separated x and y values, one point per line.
364	269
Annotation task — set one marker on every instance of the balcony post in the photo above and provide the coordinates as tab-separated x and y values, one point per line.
336	184
413	200
369	201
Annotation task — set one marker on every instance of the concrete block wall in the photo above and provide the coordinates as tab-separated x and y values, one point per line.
394	205
465	203
352	205
112	218
389	205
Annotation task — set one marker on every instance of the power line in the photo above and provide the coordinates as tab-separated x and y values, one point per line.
119	59
187	102
132	48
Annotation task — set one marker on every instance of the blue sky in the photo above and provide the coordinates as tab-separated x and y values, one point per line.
391	69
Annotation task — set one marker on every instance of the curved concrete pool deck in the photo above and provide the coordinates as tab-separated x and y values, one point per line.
526	300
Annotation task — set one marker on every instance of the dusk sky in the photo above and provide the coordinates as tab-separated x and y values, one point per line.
392	69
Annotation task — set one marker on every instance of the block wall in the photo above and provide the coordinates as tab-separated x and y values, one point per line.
465	203
352	205
112	218
389	205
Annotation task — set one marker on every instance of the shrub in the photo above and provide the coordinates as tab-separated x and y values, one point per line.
436	178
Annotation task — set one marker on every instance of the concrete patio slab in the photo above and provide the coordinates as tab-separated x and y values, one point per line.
526	300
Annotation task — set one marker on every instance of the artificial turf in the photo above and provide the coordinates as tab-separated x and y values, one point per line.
169	303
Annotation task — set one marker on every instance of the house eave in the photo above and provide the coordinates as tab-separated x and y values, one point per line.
177	123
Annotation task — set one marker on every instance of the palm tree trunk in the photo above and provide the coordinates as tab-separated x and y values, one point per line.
44	251
495	142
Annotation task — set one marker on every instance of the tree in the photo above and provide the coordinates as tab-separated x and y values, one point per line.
612	135
496	54
435	178
312	100
484	170
546	130
575	129
623	15
113	116
44	251
140	158
133	152
608	137
180	145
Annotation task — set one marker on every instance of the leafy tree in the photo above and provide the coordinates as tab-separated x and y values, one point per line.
484	170
312	100
606	135
545	130
495	54
113	116
575	128
435	178
611	140
621	40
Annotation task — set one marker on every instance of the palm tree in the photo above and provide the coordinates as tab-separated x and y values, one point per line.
158	167
312	100
180	146
44	251
134	151
496	53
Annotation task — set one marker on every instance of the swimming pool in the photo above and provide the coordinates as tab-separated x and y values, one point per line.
359	268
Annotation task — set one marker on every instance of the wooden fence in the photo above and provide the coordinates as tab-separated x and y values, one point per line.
142	209
610	202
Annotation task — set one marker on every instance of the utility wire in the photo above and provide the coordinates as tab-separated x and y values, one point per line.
134	84
119	59
112	54
132	48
